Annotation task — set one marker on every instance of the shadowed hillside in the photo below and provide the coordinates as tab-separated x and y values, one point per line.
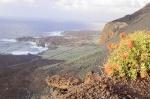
19	75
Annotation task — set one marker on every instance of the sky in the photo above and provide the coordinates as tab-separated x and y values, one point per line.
86	11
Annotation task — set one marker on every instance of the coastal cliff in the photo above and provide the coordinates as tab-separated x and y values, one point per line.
129	23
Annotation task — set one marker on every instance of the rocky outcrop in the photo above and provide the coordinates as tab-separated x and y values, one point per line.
51	41
129	23
62	81
115	27
102	87
25	39
91	77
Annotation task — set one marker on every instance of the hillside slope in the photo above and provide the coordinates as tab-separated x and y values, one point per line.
129	23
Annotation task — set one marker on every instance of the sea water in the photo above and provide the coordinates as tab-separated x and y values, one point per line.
11	29
14	47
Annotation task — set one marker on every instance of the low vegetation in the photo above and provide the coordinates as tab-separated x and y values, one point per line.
131	57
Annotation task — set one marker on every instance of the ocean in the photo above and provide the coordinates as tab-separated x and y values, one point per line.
12	29
14	47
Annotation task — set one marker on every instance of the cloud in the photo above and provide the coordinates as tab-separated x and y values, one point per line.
95	4
72	10
16	1
80	4
106	7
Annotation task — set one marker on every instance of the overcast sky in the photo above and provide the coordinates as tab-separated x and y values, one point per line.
91	11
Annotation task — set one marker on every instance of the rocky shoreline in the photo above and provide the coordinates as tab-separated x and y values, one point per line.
68	38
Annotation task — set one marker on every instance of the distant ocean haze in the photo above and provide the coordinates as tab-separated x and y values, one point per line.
14	29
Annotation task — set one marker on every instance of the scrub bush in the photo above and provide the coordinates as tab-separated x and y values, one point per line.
131	58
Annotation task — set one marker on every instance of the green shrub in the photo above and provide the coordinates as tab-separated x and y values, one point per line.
131	59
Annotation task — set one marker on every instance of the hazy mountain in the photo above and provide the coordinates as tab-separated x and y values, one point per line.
140	20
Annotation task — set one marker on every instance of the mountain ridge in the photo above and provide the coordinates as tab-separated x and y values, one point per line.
139	20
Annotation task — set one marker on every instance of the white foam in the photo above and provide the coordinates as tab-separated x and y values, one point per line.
41	49
38	50
21	53
23	48
8	40
56	33
32	43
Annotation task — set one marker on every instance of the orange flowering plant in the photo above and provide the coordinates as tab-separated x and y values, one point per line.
112	46
122	35
131	59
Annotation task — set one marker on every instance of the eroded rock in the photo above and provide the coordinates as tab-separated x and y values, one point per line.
62	81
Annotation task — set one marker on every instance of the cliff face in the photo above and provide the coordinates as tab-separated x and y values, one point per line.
140	20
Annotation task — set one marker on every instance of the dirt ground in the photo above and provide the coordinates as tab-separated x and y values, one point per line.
106	88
